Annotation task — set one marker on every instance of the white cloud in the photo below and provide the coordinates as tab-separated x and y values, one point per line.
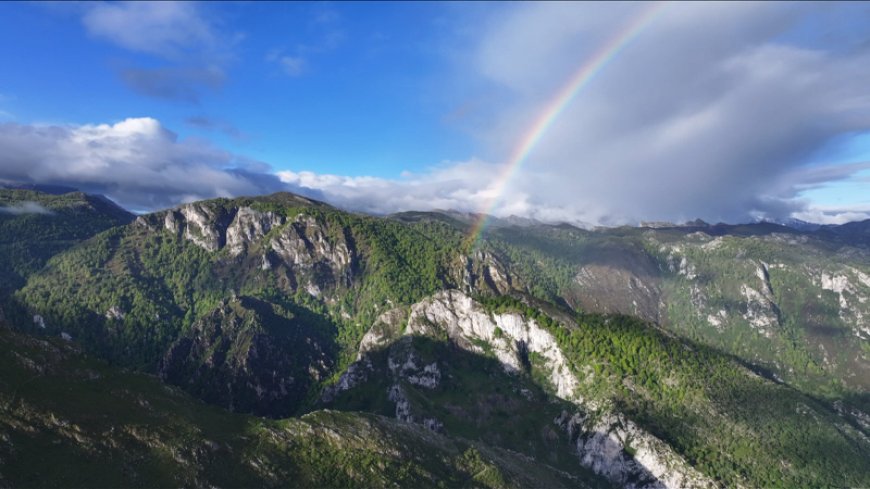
144	166
24	208
452	185
833	214
714	111
165	29
136	162
708	113
194	54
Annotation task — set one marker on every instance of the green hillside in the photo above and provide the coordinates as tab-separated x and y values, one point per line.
70	421
34	226
730	355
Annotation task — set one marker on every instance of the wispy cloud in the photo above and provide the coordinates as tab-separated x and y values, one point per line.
27	207
214	124
166	29
195	53
292	65
5	114
328	35
176	84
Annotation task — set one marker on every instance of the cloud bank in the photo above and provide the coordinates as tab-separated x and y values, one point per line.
136	162
709	113
717	110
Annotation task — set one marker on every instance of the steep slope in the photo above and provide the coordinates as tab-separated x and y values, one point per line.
793	303
250	356
157	291
857	233
69	421
632	404
258	304
35	225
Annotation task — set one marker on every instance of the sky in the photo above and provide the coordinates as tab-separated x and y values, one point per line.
596	113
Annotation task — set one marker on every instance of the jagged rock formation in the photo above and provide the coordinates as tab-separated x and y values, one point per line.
66	420
484	271
304	246
306	252
252	303
202	224
602	444
852	287
248	227
510	335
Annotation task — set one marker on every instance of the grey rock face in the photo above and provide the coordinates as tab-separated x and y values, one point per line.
357	373
485	271
405	367
198	223
249	226
315	256
609	444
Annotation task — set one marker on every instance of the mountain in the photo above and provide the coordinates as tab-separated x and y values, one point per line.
629	402
36	225
793	223
855	232
230	355
793	303
685	356
67	420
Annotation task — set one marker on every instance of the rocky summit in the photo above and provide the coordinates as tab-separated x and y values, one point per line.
279	341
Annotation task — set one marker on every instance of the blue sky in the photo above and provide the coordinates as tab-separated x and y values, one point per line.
721	111
355	106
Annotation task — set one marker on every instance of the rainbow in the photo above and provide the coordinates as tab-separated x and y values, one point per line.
557	105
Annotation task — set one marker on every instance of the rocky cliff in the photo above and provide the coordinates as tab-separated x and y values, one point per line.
607	443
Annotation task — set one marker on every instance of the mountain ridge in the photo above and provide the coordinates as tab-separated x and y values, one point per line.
265	305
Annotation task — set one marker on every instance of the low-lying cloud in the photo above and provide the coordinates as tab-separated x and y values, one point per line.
26	207
136	162
143	166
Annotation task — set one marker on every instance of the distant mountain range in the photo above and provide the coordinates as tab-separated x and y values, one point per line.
277	340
